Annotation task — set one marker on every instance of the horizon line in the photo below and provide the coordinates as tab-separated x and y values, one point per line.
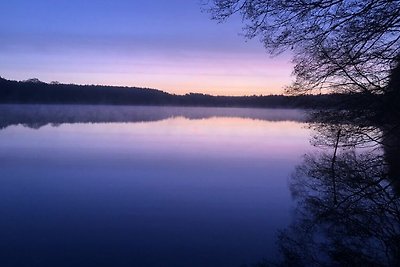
37	80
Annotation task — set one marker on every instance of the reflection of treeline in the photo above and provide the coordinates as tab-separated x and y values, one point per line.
36	116
34	91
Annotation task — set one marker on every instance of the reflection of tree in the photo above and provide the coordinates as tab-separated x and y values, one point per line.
351	219
392	156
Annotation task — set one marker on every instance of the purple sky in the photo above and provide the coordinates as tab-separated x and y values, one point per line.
169	45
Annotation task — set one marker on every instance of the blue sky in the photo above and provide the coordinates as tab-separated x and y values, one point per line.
170	45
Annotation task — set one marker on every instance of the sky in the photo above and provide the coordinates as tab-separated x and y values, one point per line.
169	45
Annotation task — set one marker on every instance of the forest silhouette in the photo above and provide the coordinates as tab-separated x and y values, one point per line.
34	91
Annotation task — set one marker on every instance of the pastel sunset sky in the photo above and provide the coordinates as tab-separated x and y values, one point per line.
169	45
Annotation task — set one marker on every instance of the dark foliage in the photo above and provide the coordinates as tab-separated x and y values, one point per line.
34	91
344	46
338	45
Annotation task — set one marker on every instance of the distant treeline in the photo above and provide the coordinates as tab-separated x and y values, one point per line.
36	92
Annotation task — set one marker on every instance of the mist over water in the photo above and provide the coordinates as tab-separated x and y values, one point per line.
145	186
35	116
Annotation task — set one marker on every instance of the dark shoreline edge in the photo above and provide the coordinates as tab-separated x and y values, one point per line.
36	92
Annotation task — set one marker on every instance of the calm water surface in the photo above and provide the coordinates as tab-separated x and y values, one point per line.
145	186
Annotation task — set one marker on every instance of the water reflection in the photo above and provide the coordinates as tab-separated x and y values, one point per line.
348	206
36	116
171	191
167	186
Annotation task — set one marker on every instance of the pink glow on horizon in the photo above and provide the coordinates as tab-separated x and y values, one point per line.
178	72
168	45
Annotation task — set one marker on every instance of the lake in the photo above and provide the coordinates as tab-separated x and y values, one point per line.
145	186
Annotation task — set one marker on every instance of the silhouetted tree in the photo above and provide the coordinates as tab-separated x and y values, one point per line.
348	205
338	45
